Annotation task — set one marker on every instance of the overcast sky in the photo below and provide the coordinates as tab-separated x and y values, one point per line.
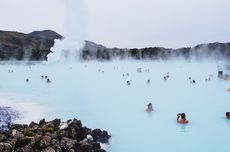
124	23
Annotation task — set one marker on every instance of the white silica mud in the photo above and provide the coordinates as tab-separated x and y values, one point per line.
20	110
97	93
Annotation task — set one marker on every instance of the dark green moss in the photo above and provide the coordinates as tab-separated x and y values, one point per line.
48	129
30	133
22	142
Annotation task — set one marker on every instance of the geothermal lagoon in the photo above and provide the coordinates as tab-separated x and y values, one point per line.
97	94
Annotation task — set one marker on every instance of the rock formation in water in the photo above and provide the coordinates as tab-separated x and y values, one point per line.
219	51
32	46
52	137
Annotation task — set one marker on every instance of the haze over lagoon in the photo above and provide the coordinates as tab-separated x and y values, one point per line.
123	24
97	93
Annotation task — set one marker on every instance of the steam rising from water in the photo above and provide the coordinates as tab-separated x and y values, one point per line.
75	27
65	50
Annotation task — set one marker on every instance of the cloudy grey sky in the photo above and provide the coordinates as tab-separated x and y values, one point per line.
124	23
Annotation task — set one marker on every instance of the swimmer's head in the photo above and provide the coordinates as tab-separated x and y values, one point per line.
183	116
150	105
228	115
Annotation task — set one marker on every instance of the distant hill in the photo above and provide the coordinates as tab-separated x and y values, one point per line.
31	46
36	46
219	51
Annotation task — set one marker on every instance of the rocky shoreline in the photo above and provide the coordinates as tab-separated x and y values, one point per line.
53	136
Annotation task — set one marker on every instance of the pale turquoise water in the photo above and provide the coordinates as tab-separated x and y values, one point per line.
103	100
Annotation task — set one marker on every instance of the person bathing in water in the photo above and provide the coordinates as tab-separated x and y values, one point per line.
227	115
150	107
181	118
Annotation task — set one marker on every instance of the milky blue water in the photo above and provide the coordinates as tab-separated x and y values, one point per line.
97	94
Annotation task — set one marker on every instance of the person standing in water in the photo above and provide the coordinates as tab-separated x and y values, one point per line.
181	118
150	107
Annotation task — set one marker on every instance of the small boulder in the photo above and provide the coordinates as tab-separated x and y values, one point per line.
2	137
33	125
48	149
85	146
45	141
55	144
5	147
22	142
25	149
68	143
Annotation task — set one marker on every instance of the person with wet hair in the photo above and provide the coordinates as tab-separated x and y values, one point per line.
149	107
181	118
48	80
167	76
148	81
227	115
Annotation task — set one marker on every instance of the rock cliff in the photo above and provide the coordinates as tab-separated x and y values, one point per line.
37	45
31	46
218	51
